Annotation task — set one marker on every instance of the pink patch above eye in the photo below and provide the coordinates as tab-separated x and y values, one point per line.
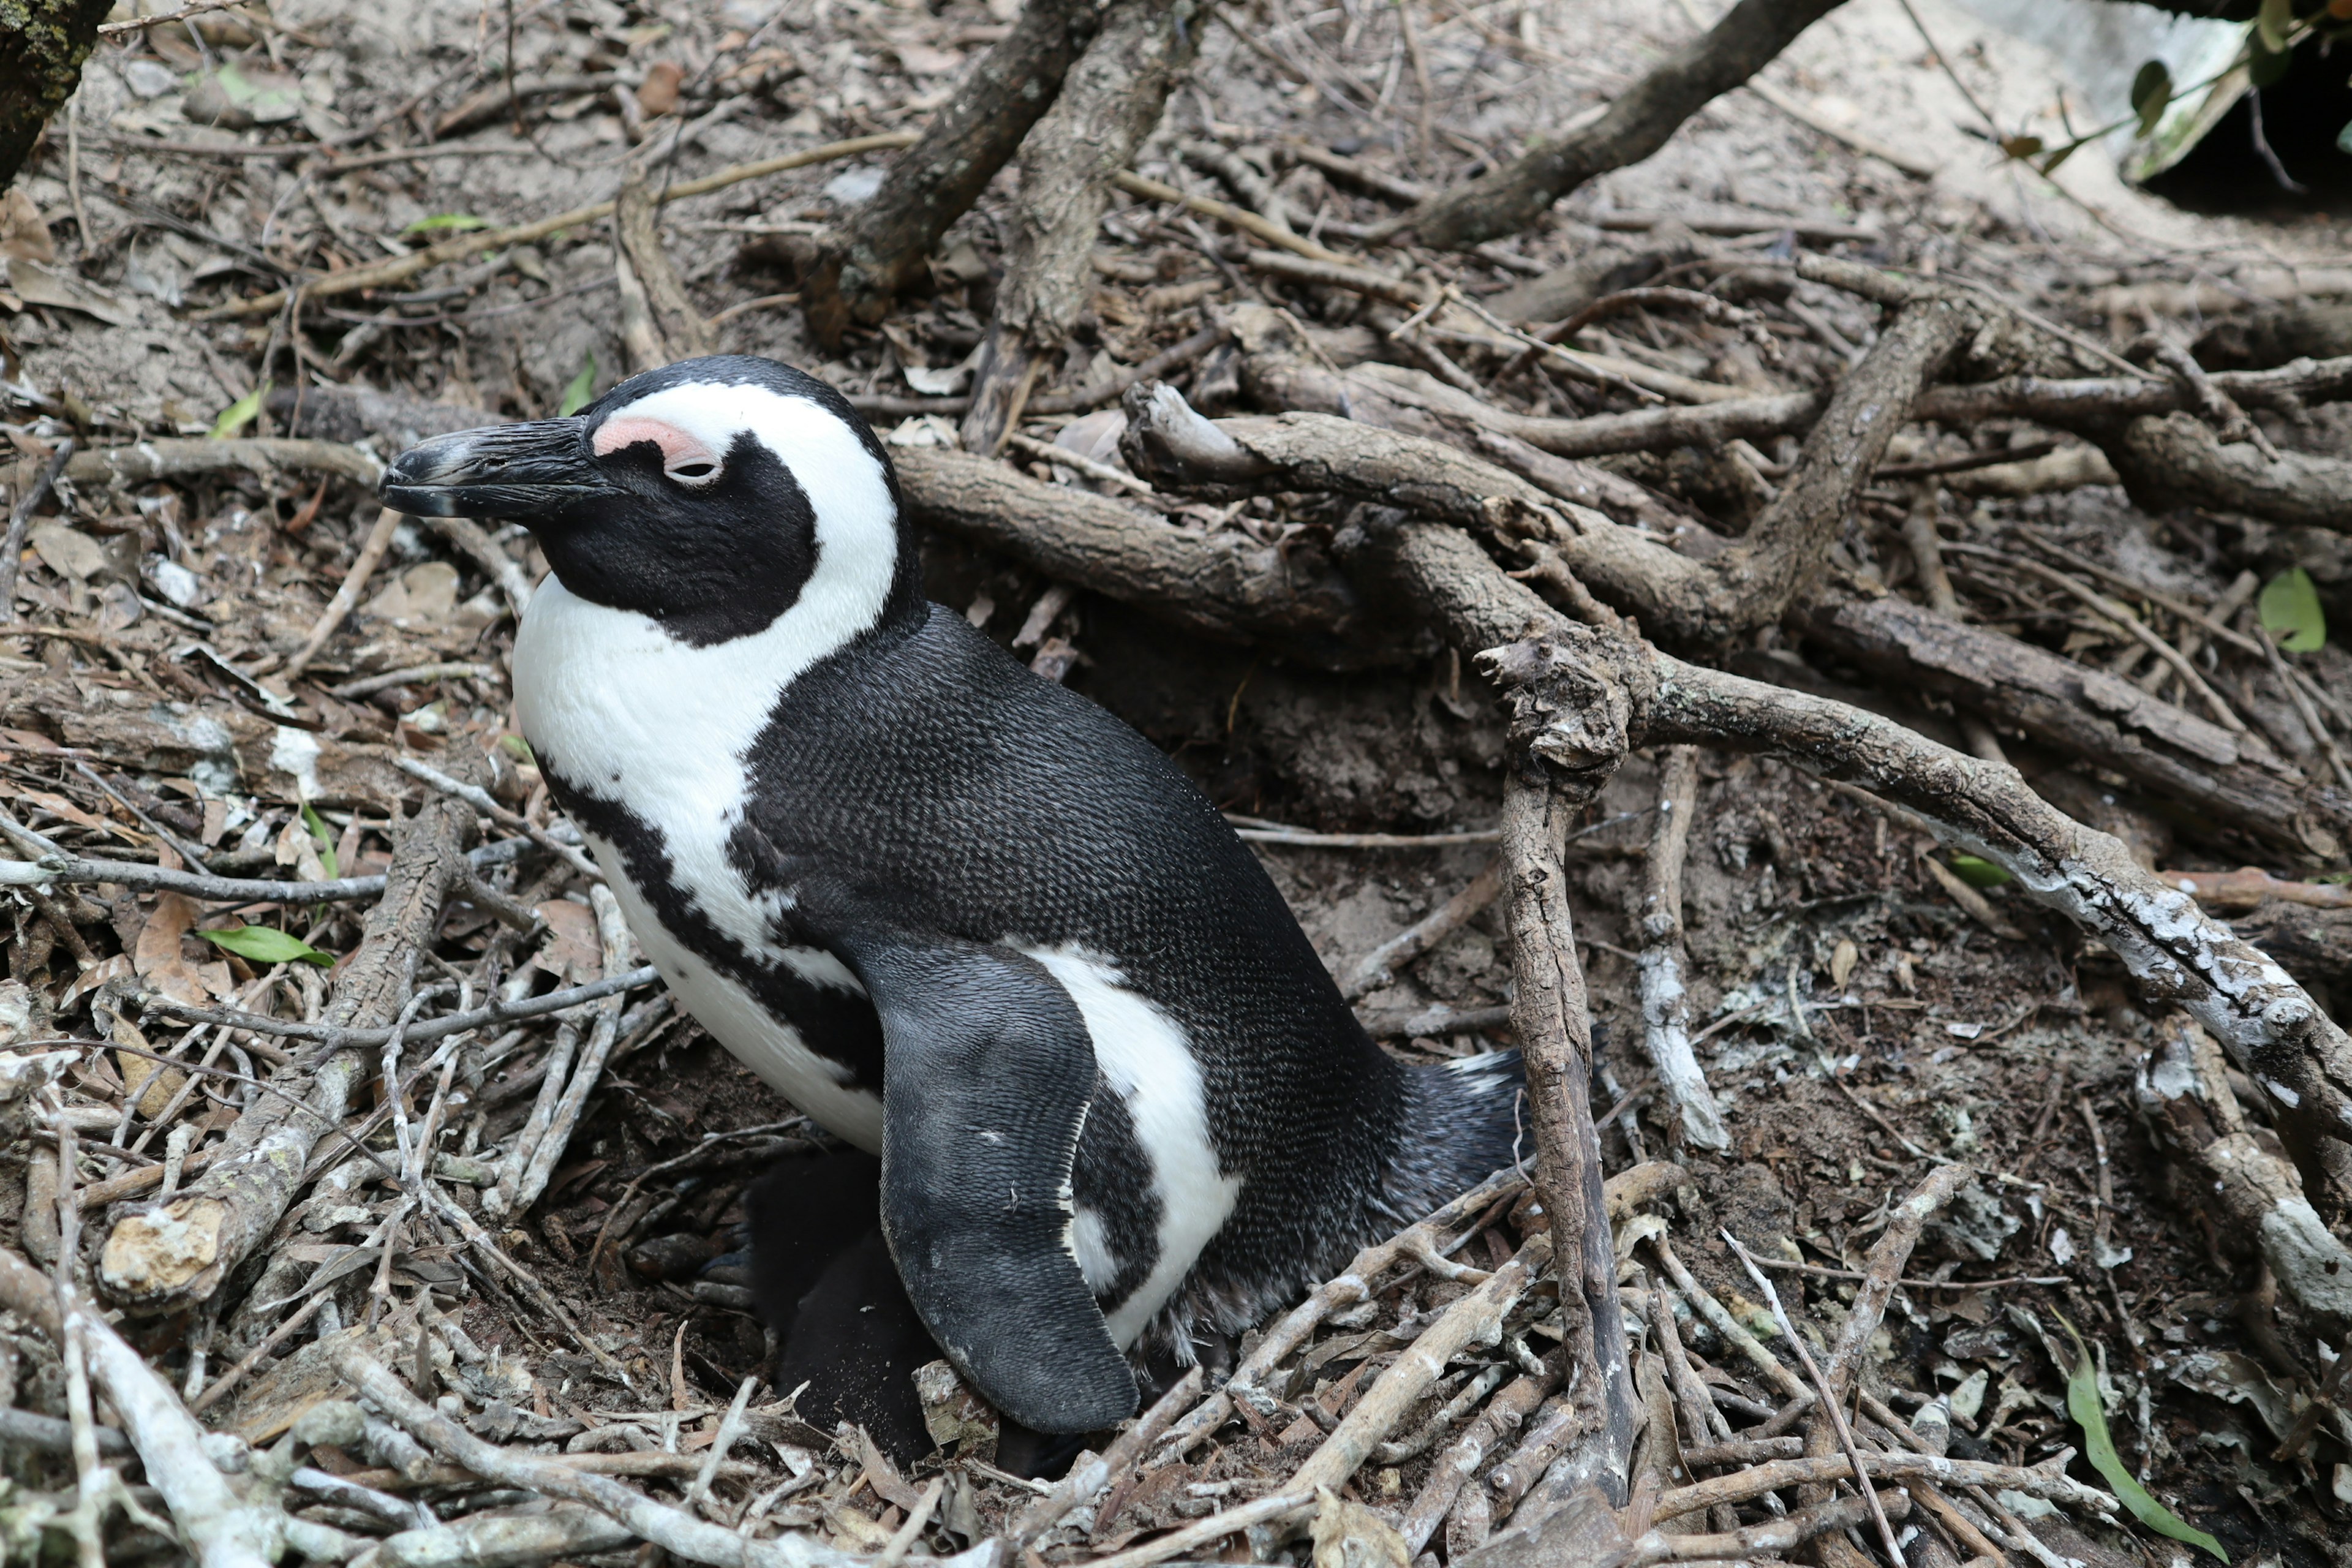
676	446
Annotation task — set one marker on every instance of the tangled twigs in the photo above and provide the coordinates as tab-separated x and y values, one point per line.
224	1531
1747	39
181	1251
673	1529
1341	1290
2086	711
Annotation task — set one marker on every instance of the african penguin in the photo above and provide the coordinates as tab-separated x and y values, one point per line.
960	915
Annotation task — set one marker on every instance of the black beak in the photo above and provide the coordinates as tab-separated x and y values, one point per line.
504	470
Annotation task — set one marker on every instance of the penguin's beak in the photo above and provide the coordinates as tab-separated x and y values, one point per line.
504	470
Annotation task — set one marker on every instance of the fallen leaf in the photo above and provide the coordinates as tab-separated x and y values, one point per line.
156	955
37	285
23	235
238	96
573	952
68	551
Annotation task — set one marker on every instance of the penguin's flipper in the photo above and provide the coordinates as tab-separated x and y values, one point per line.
988	1070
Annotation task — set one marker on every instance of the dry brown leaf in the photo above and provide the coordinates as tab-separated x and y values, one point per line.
157	956
573	953
24	236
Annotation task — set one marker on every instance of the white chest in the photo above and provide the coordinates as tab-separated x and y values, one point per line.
658	730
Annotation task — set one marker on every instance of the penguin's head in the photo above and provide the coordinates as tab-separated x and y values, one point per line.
713	495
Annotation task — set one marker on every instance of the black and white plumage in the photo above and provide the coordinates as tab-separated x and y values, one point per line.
960	915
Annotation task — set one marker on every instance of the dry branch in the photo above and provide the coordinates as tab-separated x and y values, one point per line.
886	243
2184	1093
1555	1029
1109	101
1637	125
1666	994
224	1530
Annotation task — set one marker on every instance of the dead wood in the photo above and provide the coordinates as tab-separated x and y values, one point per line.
1109	101
1224	586
1555	1029
1693	1113
1637	125
886	243
180	1252
659	323
2184	1096
223	1530
2228	779
2312	945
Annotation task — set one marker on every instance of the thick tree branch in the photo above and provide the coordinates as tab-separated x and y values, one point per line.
885	243
1747	38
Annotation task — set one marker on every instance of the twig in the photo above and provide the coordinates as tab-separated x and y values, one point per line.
480	800
219	1387
539	1163
1455	1467
1665	996
1085	1482
430	1029
57	868
416	675
1830	1404
347	592
1791	1266
2123	617
20	517
137	24
1232	216
1377	967
1777	1474
394	269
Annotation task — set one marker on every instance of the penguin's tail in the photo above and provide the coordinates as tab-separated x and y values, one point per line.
1463	1121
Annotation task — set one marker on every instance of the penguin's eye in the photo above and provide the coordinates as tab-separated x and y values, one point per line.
695	472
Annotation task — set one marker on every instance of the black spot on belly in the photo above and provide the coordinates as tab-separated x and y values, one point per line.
1112	1176
837	1024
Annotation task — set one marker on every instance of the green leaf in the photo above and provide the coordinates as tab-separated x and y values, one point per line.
266	944
2290	610
326	840
1978	872
240	414
577	392
2082	1404
2151	93
440	222
2273	22
2050	164
2344	138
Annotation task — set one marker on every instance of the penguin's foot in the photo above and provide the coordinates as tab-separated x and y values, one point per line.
824	1283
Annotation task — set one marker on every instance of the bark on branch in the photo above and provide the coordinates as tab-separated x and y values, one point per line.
885	243
1747	38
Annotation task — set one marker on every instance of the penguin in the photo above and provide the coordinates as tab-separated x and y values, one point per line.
965	919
